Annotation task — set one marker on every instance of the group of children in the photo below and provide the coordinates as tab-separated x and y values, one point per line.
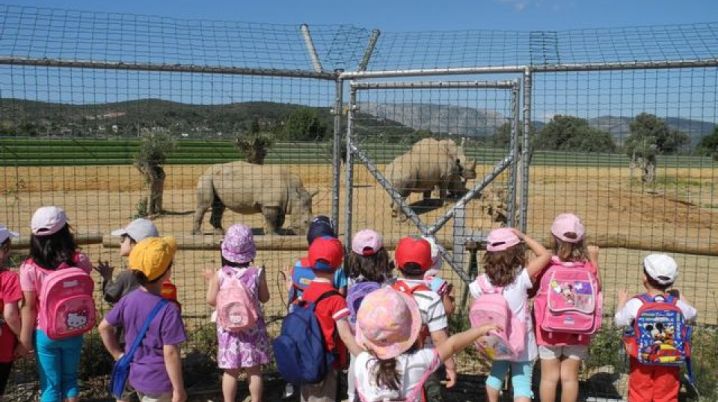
386	322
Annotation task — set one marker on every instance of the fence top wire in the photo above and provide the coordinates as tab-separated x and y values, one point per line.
57	34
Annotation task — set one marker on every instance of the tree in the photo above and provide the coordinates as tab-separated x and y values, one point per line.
254	146
709	145
570	133
155	145
304	124
650	137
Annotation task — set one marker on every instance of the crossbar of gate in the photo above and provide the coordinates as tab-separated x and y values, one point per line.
456	258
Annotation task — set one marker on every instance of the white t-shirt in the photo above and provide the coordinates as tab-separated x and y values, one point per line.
628	313
410	366
430	306
516	295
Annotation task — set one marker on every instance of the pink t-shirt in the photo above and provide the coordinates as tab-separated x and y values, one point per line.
32	276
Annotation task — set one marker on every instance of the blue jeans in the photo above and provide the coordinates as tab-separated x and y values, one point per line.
58	361
521	373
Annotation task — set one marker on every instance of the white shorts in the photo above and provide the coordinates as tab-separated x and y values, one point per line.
576	352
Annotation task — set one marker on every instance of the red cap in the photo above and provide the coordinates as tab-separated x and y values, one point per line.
325	254
411	249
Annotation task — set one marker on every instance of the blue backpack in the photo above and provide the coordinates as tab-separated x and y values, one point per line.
299	349
356	295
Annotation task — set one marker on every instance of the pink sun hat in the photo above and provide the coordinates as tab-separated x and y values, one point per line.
388	322
568	228
501	239
47	221
238	244
367	242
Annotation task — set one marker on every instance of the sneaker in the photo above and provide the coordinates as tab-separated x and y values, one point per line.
288	391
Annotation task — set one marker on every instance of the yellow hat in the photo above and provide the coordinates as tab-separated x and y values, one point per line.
152	256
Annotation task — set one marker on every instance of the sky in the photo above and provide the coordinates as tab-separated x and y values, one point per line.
689	93
417	15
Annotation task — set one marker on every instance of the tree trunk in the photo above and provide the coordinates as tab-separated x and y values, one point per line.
649	172
156	184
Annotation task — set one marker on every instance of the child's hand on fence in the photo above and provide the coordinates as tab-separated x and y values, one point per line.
207	274
622	298
593	251
104	269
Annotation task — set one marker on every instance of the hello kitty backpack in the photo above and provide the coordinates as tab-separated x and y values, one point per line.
569	301
236	307
66	307
491	308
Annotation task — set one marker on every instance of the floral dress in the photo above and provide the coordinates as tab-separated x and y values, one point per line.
247	348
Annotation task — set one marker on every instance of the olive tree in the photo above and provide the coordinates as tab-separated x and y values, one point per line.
155	145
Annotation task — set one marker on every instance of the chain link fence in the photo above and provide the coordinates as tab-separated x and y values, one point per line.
611	124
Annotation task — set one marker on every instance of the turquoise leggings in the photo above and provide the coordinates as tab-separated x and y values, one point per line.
521	373
58	361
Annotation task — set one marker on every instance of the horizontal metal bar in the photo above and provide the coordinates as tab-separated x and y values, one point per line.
461	203
636	65
436	85
170	68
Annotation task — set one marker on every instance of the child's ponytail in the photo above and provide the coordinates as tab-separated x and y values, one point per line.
386	375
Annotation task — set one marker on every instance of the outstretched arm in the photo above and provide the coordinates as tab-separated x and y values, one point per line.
458	342
542	258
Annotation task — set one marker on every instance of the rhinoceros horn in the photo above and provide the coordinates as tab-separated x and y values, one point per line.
313	193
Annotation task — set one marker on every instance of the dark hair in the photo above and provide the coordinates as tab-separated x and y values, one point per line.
5	242
228	263
318	227
565	251
654	283
373	267
412	269
501	266
142	278
50	251
385	373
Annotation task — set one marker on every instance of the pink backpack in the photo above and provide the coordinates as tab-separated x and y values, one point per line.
236	305
569	300
66	305
491	308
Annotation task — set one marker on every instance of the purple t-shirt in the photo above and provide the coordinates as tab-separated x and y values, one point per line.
147	373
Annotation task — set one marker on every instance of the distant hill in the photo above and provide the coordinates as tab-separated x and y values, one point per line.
619	127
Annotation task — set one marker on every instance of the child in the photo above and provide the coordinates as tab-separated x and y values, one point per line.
561	353
325	256
394	365
367	270
156	371
413	259
438	285
649	383
506	267
248	349
10	296
52	247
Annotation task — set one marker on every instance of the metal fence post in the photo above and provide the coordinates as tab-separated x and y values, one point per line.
336	148
526	151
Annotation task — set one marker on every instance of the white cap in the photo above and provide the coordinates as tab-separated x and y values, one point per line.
5	234
436	261
662	268
138	230
47	221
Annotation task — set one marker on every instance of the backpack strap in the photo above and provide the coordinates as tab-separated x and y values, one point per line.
325	295
143	331
406	288
487	287
416	392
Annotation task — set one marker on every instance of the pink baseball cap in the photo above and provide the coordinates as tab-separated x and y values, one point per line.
565	224
367	242
501	239
6	233
238	244
388	322
47	221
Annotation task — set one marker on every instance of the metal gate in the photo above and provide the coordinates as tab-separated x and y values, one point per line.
377	132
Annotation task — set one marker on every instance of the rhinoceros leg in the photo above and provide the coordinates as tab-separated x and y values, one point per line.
216	217
273	219
205	196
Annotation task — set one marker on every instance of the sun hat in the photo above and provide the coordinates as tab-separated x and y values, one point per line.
661	267
152	256
6	233
568	223
501	239
47	221
238	244
325	254
367	242
388	322
436	261
138	230
320	226
412	249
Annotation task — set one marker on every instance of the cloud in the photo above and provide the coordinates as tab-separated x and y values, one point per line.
517	5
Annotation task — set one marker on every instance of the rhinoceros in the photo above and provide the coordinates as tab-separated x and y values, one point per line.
430	163
247	189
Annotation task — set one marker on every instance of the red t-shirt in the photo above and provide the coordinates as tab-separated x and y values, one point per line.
9	293
328	312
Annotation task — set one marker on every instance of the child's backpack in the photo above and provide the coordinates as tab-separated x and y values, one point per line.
66	307
491	308
236	307
569	300
299	349
356	295
659	335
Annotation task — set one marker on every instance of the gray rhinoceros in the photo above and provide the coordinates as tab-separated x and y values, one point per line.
247	189
430	163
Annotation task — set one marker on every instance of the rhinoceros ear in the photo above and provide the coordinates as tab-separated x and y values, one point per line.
472	165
